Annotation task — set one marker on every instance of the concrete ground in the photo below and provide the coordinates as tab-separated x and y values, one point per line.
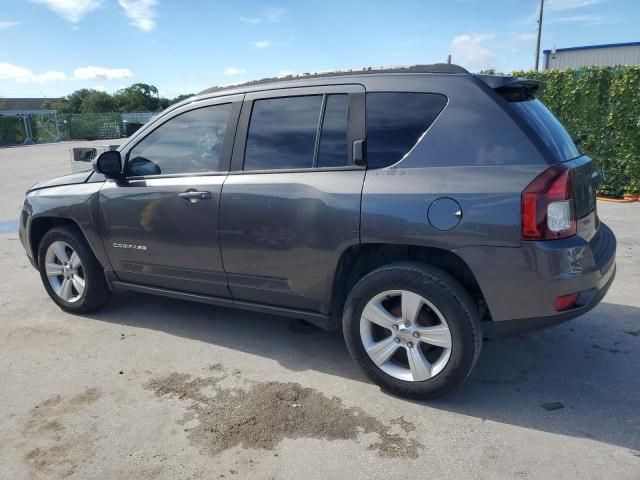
158	388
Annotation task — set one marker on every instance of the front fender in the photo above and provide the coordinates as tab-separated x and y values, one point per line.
77	204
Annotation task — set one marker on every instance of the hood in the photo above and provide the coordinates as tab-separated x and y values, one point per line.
72	179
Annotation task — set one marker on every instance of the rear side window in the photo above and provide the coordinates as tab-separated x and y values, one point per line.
282	133
395	123
547	127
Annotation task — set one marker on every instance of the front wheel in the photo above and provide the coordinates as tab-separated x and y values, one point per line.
70	272
413	329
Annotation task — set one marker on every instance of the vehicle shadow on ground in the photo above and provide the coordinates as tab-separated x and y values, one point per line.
586	369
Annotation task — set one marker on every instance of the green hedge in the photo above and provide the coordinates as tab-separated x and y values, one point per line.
603	105
11	131
43	128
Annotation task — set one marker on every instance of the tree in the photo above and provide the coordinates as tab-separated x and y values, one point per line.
99	102
180	98
72	103
3	106
139	97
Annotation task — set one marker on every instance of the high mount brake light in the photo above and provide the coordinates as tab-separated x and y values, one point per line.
548	210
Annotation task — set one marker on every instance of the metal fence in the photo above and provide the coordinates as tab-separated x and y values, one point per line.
22	127
82	158
137	117
28	126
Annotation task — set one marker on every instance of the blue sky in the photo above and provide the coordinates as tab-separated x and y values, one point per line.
52	47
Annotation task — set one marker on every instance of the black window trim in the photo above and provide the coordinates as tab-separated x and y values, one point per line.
316	148
227	148
355	126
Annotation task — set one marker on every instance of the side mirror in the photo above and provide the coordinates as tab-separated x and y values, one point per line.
109	164
141	167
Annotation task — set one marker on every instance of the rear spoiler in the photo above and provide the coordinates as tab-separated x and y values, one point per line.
513	89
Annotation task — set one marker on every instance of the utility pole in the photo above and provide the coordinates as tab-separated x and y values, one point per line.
539	34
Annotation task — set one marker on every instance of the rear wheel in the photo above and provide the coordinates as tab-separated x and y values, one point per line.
413	329
71	274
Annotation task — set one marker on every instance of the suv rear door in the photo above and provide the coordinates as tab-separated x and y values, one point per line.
291	203
160	223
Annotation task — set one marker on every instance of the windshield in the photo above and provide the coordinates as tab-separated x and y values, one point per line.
548	127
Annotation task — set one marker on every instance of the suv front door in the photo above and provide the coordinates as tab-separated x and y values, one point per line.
160	224
291	203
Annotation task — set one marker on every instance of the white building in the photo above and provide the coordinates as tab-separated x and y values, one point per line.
604	55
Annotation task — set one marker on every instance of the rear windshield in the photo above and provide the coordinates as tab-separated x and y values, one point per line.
548	127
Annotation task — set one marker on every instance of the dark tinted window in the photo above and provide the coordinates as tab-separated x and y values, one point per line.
548	127
395	122
333	139
282	133
188	143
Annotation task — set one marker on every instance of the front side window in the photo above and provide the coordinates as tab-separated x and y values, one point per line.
188	143
395	123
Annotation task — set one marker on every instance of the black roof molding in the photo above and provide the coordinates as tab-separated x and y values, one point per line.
440	68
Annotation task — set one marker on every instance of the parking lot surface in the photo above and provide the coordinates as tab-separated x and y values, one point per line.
158	388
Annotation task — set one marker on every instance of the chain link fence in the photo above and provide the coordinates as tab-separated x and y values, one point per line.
81	158
76	126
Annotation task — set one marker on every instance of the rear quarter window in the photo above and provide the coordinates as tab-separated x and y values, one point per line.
395	123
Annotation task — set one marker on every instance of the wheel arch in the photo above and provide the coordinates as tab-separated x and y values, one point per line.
41	225
358	260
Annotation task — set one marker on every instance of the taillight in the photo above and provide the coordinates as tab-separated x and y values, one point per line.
548	211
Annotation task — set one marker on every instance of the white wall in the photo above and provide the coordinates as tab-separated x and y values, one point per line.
607	56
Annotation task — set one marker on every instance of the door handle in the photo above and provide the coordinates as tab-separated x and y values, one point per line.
193	196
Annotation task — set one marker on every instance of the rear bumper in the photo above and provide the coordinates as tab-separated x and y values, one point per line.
525	325
520	285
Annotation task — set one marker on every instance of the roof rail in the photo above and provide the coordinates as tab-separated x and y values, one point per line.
434	68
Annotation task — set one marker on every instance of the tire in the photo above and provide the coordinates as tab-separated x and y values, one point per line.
417	369
95	293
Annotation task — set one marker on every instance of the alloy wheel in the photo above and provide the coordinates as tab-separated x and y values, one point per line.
405	335
64	271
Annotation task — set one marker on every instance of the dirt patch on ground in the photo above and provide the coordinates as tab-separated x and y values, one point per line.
404	424
56	444
29	333
265	413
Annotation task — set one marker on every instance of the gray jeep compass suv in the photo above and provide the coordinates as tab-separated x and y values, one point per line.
417	211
